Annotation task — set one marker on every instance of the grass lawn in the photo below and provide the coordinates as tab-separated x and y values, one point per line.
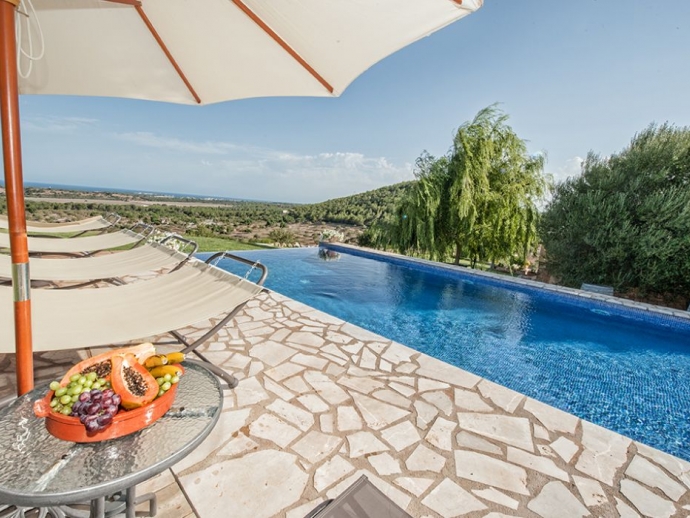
219	244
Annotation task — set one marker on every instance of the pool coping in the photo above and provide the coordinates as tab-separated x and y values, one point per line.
619	305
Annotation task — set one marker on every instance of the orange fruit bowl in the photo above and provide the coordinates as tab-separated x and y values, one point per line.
124	423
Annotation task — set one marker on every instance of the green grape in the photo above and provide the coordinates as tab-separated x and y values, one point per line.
88	383
168	377
74	377
96	385
54	402
102	381
92	376
166	386
66	410
74	389
160	380
75	398
82	380
61	391
66	399
54	385
174	379
161	392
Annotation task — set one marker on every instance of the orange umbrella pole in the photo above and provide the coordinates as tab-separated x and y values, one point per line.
14	190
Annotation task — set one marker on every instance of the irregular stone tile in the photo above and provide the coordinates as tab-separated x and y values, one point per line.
440	400
338	338
397	353
501	396
313	403
406	368
535	462
304	509
326	388
292	414
378	347
401	435
364	385
510	430
249	392
255	368
424	459
677	467
283	371
552	418
391	492
353	348
414	485
376	413
450	500
362	443
229	424
271	353
250	493
238	361
334	351
555	501
384	464
603	452
499	515
385	366
278	390
358	333
309	360
269	427
470	400
645	501
326	423
334	370
492	472
472	442
279	335
240	444
440	434
402	389
624	510
644	471
441	371
322	318
590	490
330	472
308	339
316	446
426	413
494	495
425	384
565	448
297	384
392	397
368	359
348	419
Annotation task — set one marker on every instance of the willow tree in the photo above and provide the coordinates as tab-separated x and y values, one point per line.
479	201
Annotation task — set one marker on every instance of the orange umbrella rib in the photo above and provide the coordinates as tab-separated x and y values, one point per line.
280	41
164	48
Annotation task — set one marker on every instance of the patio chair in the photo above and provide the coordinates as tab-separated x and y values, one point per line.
109	267
75	319
361	500
85	245
98	223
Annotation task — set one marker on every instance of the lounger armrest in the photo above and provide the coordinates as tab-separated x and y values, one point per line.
115	218
147	230
177	237
253	264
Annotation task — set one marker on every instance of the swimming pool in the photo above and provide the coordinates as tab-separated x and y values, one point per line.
620	369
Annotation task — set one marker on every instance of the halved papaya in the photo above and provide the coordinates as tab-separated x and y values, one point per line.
132	382
100	364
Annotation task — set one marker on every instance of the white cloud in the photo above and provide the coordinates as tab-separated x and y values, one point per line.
56	124
147	139
570	168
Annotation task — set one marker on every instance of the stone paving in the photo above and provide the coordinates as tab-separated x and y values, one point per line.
321	402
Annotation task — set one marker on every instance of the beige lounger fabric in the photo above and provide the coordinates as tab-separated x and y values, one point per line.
78	244
137	260
69	319
95	223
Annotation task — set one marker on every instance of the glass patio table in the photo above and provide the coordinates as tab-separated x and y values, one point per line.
38	470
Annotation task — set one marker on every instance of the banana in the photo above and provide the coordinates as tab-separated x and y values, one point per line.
175	357
162	370
155	361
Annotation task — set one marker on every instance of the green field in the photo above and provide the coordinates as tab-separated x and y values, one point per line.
219	244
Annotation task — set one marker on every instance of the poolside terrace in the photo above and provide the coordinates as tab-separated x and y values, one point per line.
321	402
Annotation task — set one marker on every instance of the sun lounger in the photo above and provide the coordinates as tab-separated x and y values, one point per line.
73	319
38	227
83	245
361	500
145	258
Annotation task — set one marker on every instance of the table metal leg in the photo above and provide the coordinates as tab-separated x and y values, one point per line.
97	508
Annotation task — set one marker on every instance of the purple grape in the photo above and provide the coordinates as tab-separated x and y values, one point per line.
112	410
117	399
84	396
91	426
82	418
93	408
104	420
108	393
106	401
76	406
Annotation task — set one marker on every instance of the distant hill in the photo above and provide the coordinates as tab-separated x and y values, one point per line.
359	209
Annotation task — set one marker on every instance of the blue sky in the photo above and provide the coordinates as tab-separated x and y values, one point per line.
572	76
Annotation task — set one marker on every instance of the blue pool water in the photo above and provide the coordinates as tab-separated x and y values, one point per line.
605	365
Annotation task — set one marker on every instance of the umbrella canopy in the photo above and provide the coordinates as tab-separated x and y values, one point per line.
188	52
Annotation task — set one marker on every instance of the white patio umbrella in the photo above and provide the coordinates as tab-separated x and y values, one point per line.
189	52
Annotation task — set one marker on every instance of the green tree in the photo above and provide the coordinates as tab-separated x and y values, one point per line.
478	202
625	221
